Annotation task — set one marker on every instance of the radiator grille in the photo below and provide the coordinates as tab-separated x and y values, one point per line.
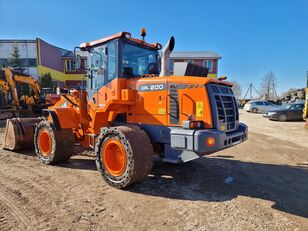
226	115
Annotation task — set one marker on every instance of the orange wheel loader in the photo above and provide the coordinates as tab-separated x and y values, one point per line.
132	109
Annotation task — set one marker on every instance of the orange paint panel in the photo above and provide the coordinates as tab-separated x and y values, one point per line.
68	117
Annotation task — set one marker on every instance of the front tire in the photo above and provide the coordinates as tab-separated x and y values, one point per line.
282	117
254	110
51	145
124	155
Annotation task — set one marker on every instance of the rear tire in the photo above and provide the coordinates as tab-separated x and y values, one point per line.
254	110
124	155
282	117
51	145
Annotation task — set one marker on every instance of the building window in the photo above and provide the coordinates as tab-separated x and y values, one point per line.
32	62
84	63
3	62
209	64
24	62
189	61
69	65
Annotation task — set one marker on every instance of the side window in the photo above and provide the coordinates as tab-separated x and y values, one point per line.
98	67
298	107
111	62
259	103
293	107
267	104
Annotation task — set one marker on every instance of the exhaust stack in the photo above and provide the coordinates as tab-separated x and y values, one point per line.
165	57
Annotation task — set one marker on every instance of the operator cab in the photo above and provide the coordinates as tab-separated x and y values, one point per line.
119	56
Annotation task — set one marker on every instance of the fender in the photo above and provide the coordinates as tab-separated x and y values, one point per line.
63	118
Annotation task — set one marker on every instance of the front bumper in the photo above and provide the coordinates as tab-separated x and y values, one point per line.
270	116
195	140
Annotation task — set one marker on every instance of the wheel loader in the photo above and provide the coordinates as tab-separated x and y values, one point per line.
131	110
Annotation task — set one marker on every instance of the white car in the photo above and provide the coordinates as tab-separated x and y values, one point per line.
256	106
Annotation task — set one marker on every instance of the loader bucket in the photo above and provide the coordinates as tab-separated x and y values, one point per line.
19	133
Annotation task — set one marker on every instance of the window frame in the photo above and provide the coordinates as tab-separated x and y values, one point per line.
205	61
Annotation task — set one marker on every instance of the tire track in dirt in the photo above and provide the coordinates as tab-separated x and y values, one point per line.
11	215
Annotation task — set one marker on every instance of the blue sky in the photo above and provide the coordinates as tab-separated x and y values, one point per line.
252	36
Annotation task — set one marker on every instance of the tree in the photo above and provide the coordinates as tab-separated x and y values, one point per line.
237	89
268	86
15	60
46	80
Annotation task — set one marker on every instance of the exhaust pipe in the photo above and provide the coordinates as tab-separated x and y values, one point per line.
165	58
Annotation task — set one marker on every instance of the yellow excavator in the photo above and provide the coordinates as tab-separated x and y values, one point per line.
4	87
6	110
19	105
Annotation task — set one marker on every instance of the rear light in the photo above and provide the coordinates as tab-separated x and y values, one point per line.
210	141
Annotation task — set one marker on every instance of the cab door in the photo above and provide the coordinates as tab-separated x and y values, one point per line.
101	86
98	71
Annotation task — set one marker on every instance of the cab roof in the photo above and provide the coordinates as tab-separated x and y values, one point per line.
122	34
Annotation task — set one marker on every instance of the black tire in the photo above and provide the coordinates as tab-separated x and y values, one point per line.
282	117
254	110
138	150
62	143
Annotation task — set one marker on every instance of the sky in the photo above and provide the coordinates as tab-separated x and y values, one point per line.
253	37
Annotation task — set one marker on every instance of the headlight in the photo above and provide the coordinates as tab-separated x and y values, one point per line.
271	113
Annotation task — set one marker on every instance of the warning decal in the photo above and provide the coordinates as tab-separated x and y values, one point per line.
199	109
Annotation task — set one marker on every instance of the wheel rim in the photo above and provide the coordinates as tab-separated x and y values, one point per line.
45	142
283	117
114	157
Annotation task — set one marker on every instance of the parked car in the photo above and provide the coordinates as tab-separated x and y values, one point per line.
286	112
259	106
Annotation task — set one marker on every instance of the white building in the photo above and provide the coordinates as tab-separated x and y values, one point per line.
27	51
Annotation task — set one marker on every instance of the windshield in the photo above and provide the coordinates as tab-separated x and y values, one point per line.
286	106
139	61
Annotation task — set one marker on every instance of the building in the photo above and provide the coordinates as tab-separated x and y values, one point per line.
207	59
39	58
27	51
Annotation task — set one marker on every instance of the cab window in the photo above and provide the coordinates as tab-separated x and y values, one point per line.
138	61
111	48
98	67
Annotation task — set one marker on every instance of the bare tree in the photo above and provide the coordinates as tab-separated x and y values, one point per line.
237	89
268	86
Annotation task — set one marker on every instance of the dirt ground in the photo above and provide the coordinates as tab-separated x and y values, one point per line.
261	184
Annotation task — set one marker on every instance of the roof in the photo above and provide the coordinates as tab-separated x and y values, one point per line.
17	41
122	34
194	55
66	53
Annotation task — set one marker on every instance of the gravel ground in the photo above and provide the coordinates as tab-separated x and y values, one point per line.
261	184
